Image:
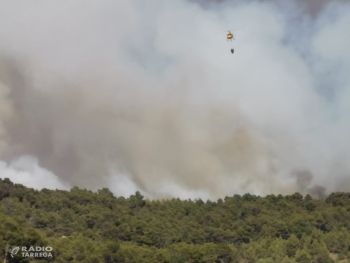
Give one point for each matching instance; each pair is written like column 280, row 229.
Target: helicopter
column 230, row 37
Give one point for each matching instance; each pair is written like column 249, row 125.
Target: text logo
column 32, row 252
column 14, row 250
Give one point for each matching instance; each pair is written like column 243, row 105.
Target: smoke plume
column 147, row 96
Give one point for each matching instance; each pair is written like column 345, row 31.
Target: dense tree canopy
column 83, row 226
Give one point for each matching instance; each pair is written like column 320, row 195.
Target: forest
column 85, row 226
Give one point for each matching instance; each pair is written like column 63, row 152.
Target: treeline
column 83, row 226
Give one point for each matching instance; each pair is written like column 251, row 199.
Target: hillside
column 83, row 226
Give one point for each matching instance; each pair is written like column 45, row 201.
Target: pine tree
column 303, row 256
column 292, row 245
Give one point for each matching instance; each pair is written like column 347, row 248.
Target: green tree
column 303, row 256
column 292, row 245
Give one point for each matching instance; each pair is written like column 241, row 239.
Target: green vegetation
column 83, row 226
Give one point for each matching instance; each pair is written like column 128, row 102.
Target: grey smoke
column 146, row 96
column 304, row 181
column 312, row 7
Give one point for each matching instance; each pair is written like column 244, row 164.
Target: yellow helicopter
column 230, row 36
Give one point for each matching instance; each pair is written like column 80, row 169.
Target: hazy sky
column 136, row 95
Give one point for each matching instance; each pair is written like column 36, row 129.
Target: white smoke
column 26, row 170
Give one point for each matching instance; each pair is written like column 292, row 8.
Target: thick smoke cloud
column 147, row 96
